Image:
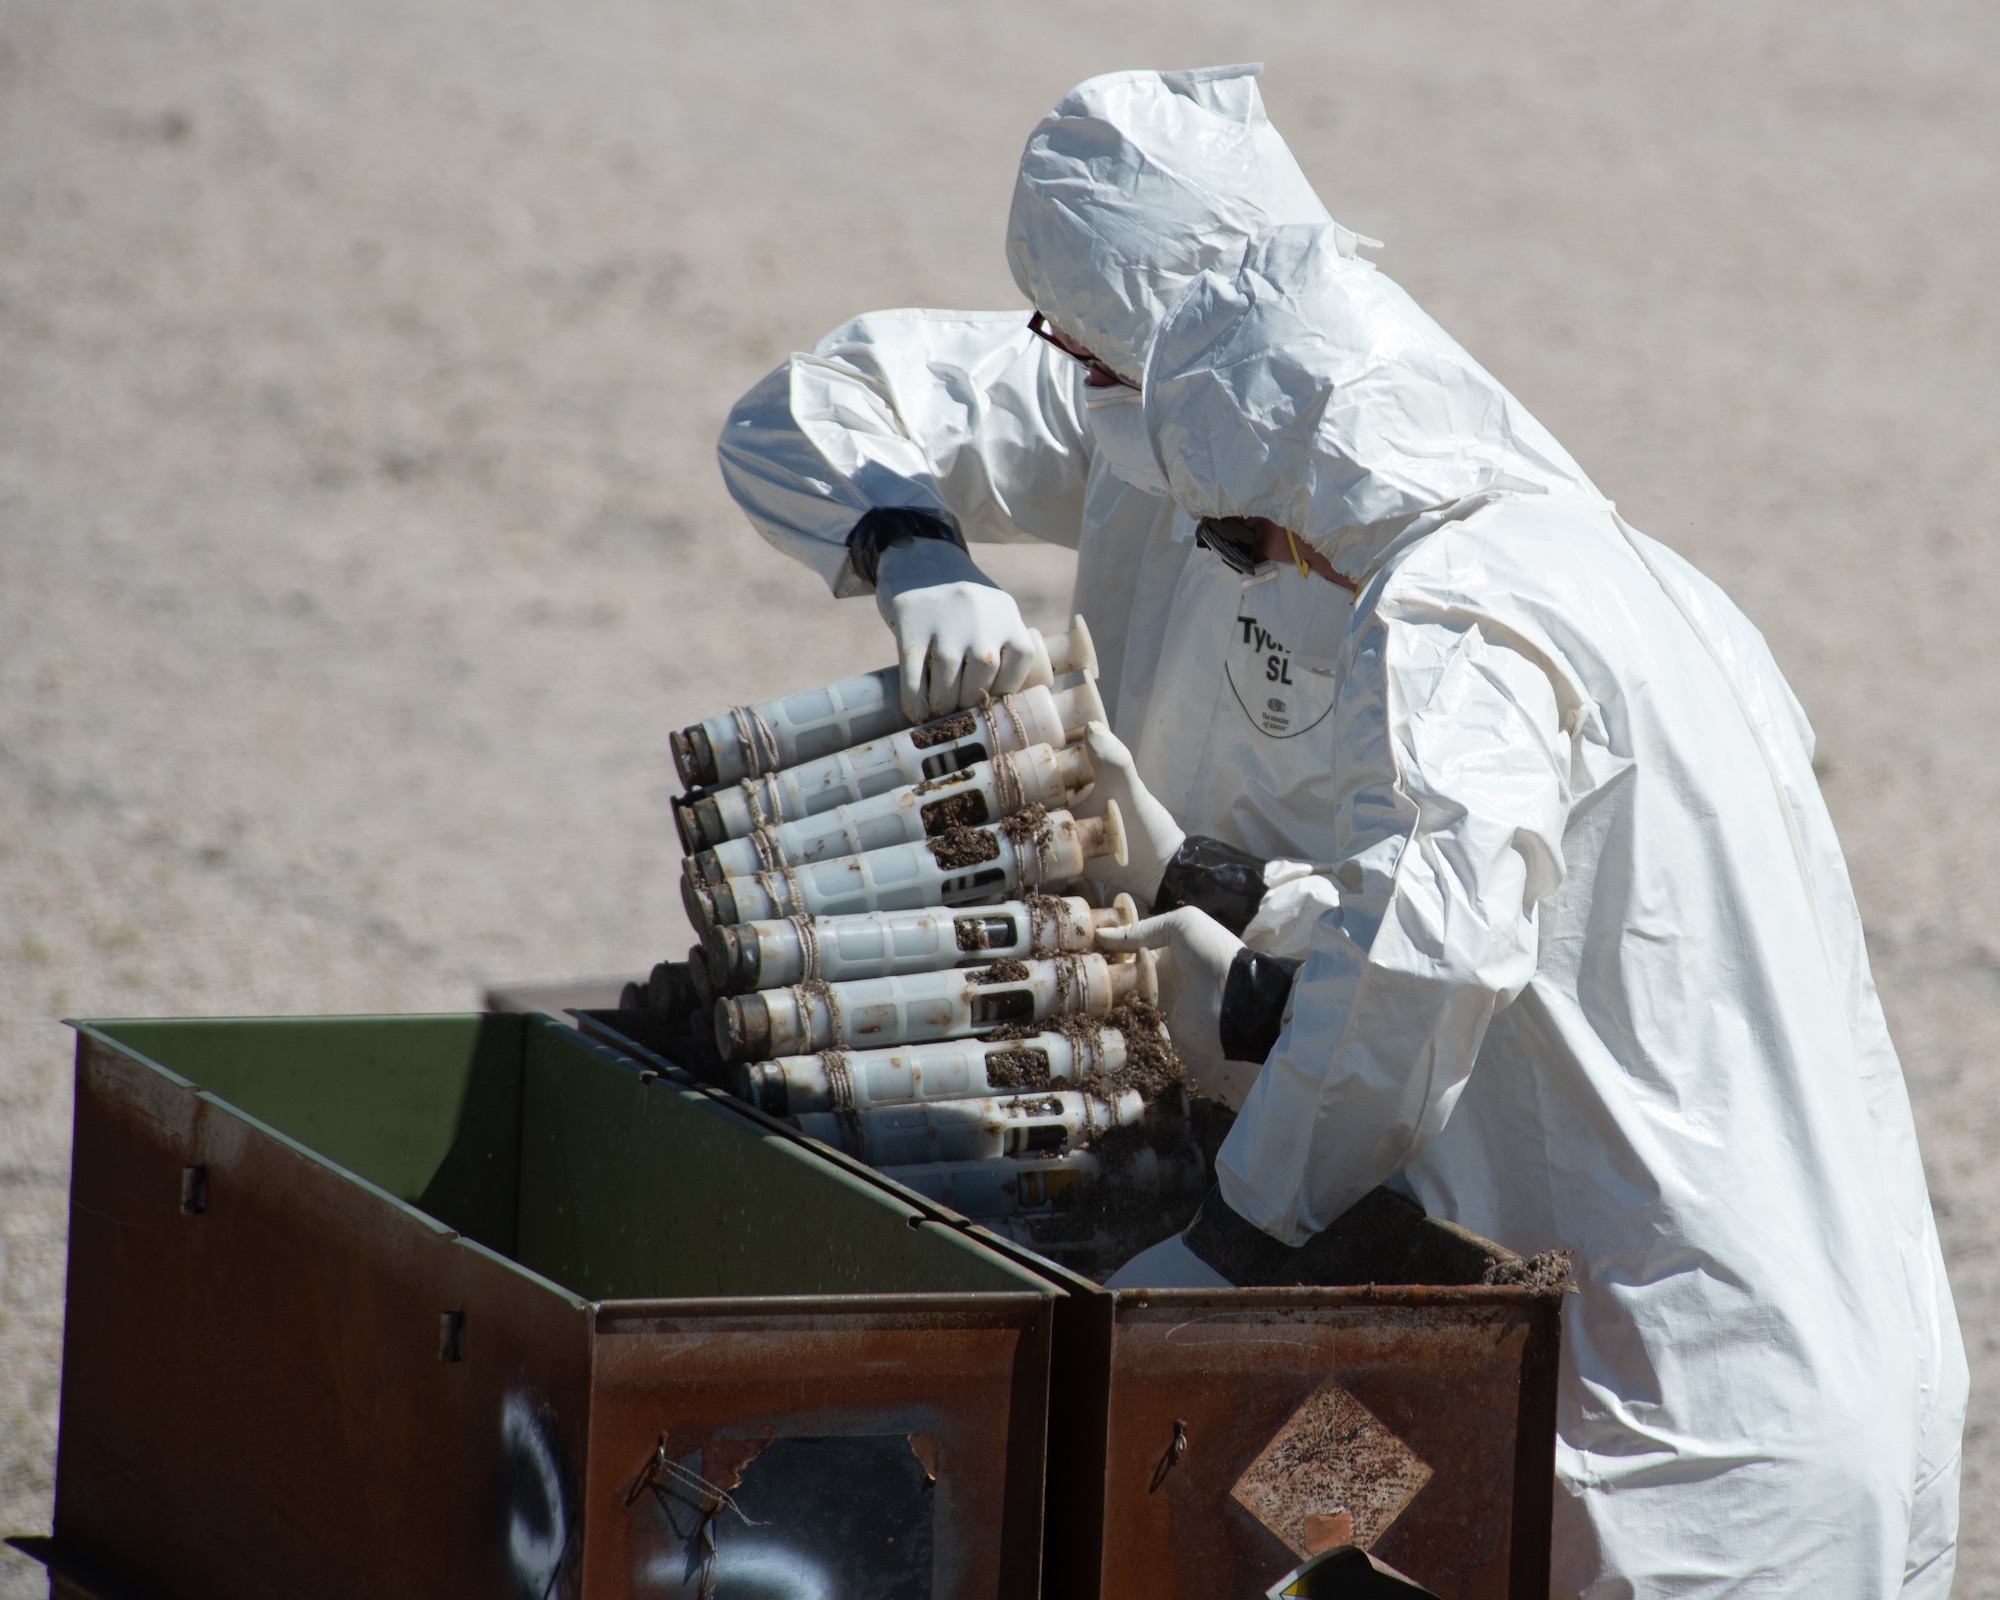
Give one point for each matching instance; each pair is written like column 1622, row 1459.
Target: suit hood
column 1299, row 383
column 1136, row 184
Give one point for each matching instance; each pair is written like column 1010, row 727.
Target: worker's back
column 1695, row 1090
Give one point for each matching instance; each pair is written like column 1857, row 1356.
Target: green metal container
column 471, row 1305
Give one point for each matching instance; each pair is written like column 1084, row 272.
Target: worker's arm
column 1455, row 798
column 1270, row 905
column 963, row 415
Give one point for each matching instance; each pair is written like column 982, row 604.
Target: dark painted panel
column 636, row 1188
column 693, row 1397
column 427, row 1108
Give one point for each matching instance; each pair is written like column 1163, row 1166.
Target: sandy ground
column 360, row 538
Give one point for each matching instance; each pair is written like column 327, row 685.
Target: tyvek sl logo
column 1283, row 693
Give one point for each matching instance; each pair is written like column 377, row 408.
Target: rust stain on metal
column 723, row 1460
column 1327, row 1532
column 1333, row 1456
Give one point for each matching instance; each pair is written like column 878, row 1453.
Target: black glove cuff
column 1228, row 1241
column 1211, row 876
column 1383, row 1237
column 1253, row 1003
column 883, row 526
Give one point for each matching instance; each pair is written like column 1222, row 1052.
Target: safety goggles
column 1236, row 542
column 1231, row 538
column 1101, row 376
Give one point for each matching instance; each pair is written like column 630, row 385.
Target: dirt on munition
column 1152, row 1065
column 1137, row 1212
column 1046, row 913
column 944, row 730
column 964, row 847
column 1029, row 826
column 964, row 810
column 1009, row 969
column 970, row 933
column 1018, row 1069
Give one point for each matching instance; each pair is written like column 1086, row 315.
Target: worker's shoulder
column 1551, row 574
column 1513, row 545
column 1564, row 571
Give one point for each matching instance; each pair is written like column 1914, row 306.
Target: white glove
column 957, row 635
column 1193, row 973
column 1151, row 834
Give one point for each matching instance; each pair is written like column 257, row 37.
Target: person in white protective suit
column 1596, row 977
column 902, row 435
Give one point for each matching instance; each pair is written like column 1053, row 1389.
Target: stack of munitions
column 888, row 957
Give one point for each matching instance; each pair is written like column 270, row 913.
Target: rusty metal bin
column 1207, row 1441
column 474, row 1306
column 1203, row 1442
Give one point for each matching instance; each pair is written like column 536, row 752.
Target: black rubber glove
column 1211, row 876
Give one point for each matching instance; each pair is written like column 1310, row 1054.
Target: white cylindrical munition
column 1014, row 1184
column 1041, row 775
column 1001, row 1188
column 946, row 1070
column 972, row 1130
column 748, row 741
column 873, row 1013
column 879, row 944
column 971, row 866
column 916, row 755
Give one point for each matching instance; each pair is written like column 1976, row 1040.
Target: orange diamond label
column 1332, row 1456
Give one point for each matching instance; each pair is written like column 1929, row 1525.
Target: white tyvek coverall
column 1597, row 977
column 1135, row 183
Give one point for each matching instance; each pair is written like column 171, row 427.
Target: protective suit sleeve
column 1456, row 799
column 964, row 415
column 1296, row 895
